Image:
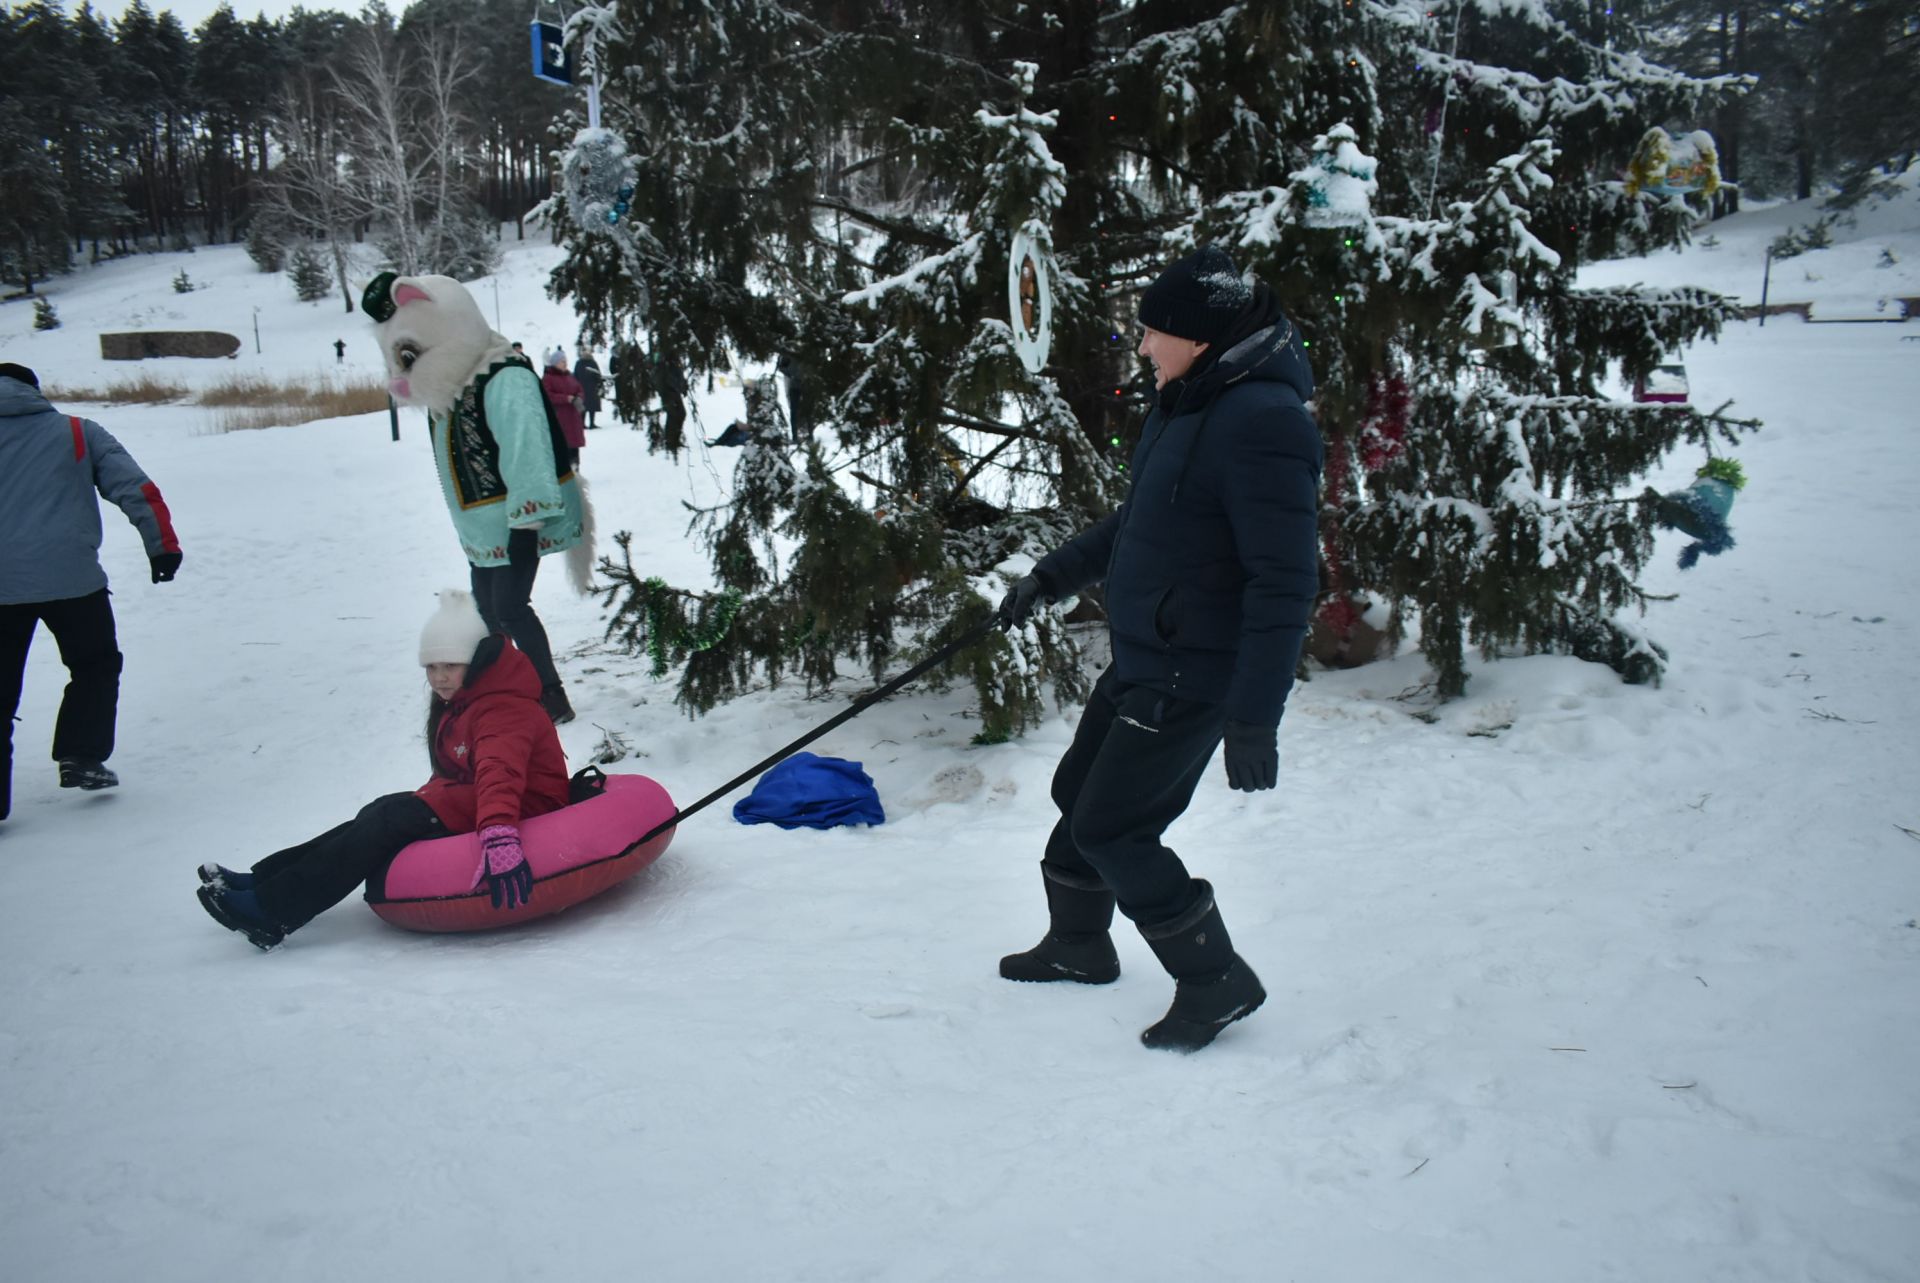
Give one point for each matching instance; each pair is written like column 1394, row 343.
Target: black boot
column 1077, row 946
column 1213, row 985
column 554, row 699
column 85, row 773
column 240, row 911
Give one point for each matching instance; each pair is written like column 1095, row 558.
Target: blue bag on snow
column 807, row 791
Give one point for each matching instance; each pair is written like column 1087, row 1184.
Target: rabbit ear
column 405, row 294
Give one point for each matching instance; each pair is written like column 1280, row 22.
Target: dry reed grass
column 147, row 389
column 243, row 401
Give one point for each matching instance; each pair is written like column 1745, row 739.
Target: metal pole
column 1766, row 279
column 393, row 417
column 496, row 302
column 256, row 331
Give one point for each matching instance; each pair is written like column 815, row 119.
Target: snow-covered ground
column 1569, row 979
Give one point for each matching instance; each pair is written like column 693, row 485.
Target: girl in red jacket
column 496, row 760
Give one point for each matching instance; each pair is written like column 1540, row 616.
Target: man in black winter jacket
column 1210, row 566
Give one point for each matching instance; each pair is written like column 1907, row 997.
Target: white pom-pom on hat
column 453, row 631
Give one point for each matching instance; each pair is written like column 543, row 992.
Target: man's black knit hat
column 8, row 370
column 1198, row 298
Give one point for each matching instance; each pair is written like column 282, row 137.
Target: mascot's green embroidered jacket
column 499, row 468
column 504, row 464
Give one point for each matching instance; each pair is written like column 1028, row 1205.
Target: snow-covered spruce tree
column 1480, row 471
column 308, row 272
column 833, row 187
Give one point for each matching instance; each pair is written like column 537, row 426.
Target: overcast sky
column 194, row 12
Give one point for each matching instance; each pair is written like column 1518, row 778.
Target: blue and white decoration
column 550, row 60
column 599, row 179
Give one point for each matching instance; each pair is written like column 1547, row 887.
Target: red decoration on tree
column 1381, row 439
column 1383, row 433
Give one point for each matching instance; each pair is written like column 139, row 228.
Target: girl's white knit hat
column 453, row 630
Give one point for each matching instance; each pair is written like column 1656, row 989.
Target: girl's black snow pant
column 295, row 885
column 1135, row 760
column 504, row 595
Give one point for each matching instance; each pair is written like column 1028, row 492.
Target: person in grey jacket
column 1211, row 569
column 50, row 466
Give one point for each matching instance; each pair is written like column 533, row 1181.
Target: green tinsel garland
column 1721, row 468
column 665, row 637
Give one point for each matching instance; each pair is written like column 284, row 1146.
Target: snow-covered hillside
column 1569, row 979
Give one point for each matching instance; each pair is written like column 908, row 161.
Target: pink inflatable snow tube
column 576, row 853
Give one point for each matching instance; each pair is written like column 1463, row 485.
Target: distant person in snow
column 51, row 465
column 568, row 400
column 496, row 760
column 506, row 468
column 339, row 351
column 1210, row 572
column 587, row 371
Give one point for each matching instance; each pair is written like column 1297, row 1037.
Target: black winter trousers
column 83, row 629
column 504, row 595
column 301, row 882
column 1135, row 760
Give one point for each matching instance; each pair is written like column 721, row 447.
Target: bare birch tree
column 399, row 98
column 313, row 191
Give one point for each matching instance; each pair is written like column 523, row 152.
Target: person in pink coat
column 568, row 399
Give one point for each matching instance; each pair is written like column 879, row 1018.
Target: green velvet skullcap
column 377, row 299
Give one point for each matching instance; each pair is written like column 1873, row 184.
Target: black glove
column 165, row 565
column 1017, row 607
column 1253, row 756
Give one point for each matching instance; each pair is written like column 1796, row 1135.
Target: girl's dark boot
column 1076, row 946
column 1213, row 985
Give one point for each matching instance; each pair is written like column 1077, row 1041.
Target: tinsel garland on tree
column 650, row 615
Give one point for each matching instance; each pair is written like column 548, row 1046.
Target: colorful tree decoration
column 1669, row 166
column 550, row 61
column 1664, row 385
column 1030, row 301
column 1339, row 180
column 1701, row 509
column 599, row 178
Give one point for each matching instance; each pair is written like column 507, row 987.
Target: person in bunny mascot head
column 505, row 468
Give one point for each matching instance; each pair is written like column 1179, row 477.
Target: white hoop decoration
column 1030, row 301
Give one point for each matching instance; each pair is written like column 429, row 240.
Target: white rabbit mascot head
column 433, row 336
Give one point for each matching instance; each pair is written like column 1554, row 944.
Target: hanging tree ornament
column 599, row 179
column 1701, row 509
column 1030, row 300
column 1669, row 166
column 1339, row 180
column 550, row 60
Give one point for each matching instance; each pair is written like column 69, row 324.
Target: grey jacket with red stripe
column 50, row 466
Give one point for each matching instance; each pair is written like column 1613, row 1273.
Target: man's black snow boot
column 1076, row 946
column 1213, row 985
column 239, row 911
column 84, row 773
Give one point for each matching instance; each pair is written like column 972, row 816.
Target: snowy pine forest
column 1587, row 899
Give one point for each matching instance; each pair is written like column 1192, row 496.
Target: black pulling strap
column 853, row 710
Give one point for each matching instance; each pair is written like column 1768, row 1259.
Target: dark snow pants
column 299, row 883
column 504, row 595
column 1136, row 758
column 83, row 629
